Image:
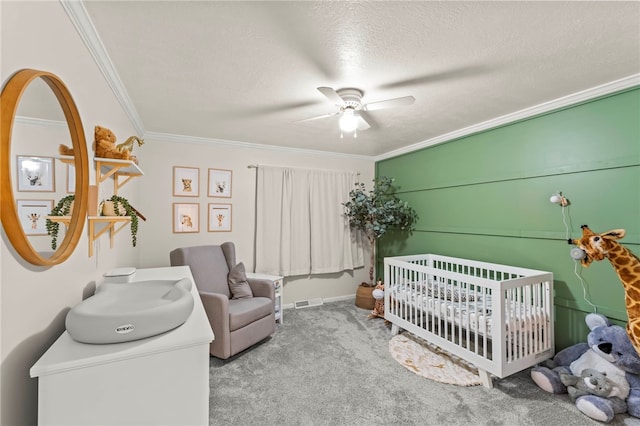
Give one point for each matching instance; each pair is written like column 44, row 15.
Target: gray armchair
column 237, row 323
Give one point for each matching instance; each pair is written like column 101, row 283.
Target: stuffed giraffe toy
column 626, row 265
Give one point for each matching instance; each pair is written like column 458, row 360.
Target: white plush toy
column 378, row 307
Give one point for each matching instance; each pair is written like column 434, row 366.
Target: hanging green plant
column 63, row 208
column 120, row 205
column 376, row 211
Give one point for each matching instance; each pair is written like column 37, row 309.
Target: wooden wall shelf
column 107, row 167
column 62, row 219
column 111, row 224
column 122, row 172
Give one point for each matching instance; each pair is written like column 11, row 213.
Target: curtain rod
column 256, row 166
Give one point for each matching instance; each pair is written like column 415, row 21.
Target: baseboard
column 339, row 298
column 324, row 300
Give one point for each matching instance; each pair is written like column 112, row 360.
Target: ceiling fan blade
column 435, row 77
column 268, row 109
column 390, row 103
column 331, row 114
column 332, row 95
column 292, row 30
column 366, row 121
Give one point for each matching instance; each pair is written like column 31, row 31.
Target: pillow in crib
column 454, row 295
column 238, row 285
column 457, row 295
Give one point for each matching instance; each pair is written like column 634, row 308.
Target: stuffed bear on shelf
column 105, row 145
column 65, row 150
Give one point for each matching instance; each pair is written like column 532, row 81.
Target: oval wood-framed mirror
column 10, row 99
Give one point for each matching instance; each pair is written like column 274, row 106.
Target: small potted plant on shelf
column 119, row 206
column 63, row 208
column 374, row 212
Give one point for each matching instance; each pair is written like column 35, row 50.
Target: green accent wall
column 486, row 197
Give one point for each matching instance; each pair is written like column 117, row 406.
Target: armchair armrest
column 262, row 288
column 217, row 308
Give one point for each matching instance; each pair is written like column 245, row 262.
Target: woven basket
column 364, row 297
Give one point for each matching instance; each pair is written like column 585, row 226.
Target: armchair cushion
column 247, row 310
column 238, row 284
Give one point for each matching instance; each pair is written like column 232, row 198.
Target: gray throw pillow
column 238, row 284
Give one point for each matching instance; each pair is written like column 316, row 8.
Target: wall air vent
column 307, row 303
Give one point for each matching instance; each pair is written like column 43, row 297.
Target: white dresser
column 160, row 380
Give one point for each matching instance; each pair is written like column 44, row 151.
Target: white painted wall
column 34, row 300
column 157, row 159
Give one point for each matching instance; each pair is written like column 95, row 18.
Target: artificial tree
column 376, row 211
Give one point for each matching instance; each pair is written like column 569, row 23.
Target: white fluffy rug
column 431, row 362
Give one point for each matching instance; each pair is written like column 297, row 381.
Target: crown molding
column 39, row 122
column 543, row 108
column 87, row 31
column 166, row 137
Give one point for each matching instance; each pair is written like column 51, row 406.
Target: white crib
column 454, row 304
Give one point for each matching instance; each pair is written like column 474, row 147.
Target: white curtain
column 300, row 223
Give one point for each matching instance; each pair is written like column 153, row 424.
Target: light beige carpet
column 431, row 362
column 329, row 365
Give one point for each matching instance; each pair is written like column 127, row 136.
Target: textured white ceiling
column 246, row 71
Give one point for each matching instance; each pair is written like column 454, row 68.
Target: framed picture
column 186, row 218
column 71, row 178
column 219, row 217
column 33, row 215
column 36, row 174
column 186, row 181
column 219, row 183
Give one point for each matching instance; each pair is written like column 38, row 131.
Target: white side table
column 278, row 284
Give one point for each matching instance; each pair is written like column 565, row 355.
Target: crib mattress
column 467, row 309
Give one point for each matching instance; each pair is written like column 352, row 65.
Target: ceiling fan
column 353, row 113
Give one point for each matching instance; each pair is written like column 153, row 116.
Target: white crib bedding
column 464, row 307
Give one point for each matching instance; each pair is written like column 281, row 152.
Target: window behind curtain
column 301, row 228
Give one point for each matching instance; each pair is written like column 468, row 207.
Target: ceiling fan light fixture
column 348, row 121
column 348, row 100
